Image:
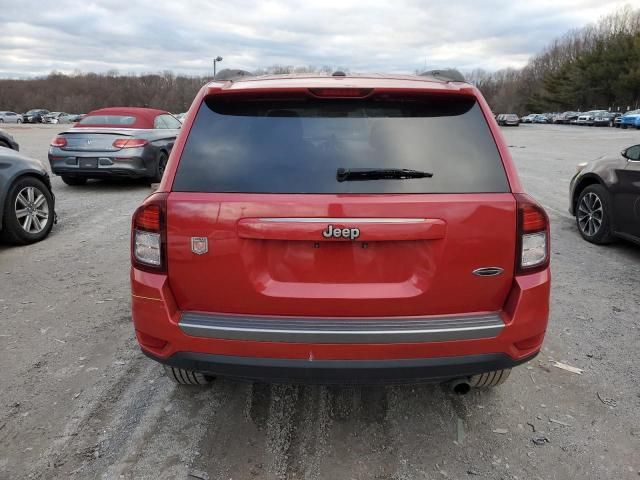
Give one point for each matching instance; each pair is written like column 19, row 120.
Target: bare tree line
column 593, row 67
column 597, row 66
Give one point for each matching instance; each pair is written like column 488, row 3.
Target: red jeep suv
column 340, row 229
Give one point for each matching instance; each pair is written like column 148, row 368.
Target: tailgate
column 272, row 256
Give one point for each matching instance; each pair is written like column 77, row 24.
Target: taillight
column 341, row 92
column 130, row 142
column 148, row 235
column 59, row 142
column 533, row 235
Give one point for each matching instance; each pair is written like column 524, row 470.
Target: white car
column 10, row 117
column 587, row 118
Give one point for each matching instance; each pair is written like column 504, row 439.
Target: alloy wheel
column 590, row 214
column 32, row 210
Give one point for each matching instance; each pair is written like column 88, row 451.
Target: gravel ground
column 79, row 401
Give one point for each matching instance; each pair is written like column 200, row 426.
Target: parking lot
column 79, row 400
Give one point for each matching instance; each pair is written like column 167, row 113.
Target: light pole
column 215, row 60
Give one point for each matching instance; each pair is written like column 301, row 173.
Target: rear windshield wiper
column 355, row 174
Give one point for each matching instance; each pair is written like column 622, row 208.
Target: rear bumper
column 365, row 372
column 134, row 164
column 236, row 346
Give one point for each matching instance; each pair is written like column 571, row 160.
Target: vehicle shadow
column 308, row 431
column 107, row 184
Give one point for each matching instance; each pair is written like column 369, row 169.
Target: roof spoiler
column 231, row 75
column 447, row 75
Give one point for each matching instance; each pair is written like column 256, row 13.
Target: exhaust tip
column 460, row 386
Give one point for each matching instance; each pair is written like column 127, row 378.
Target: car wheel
column 18, row 121
column 490, row 379
column 592, row 215
column 160, row 167
column 28, row 212
column 183, row 376
column 74, row 181
column 1, row 120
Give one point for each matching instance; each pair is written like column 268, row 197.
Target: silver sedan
column 10, row 117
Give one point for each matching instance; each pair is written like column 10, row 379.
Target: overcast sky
column 38, row 36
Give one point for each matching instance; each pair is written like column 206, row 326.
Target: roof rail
column 447, row 74
column 230, row 75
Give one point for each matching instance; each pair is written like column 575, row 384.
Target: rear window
column 116, row 120
column 297, row 146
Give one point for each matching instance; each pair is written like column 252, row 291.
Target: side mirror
column 632, row 153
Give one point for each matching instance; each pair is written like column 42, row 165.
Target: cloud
column 184, row 36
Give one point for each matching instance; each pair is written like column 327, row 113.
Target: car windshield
column 298, row 146
column 115, row 120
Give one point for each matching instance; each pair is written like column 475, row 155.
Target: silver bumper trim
column 342, row 330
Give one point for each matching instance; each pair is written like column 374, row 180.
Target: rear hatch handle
column 319, row 229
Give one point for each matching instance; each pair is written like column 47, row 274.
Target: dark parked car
column 26, row 201
column 508, row 119
column 605, row 198
column 604, row 119
column 115, row 142
column 35, row 116
column 7, row 141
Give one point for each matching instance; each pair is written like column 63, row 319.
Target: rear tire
column 593, row 216
column 74, row 181
column 160, row 167
column 490, row 379
column 183, row 376
column 18, row 121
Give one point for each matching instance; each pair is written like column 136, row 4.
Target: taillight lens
column 130, row 142
column 533, row 235
column 148, row 236
column 59, row 142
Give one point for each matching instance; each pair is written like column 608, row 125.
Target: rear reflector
column 59, row 142
column 341, row 92
column 532, row 234
column 130, row 142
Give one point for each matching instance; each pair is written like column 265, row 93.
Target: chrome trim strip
column 342, row 220
column 342, row 330
column 488, row 271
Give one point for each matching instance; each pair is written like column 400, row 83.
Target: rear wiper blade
column 356, row 174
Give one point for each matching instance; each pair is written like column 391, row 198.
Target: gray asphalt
column 79, row 401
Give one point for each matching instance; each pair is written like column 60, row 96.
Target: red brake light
column 59, row 142
column 533, row 218
column 130, row 142
column 148, row 218
column 341, row 92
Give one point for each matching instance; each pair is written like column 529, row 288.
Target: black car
column 605, row 198
column 115, row 142
column 35, row 116
column 7, row 141
column 26, row 200
column 605, row 119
